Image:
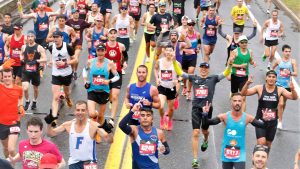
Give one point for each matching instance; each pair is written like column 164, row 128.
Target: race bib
column 240, row 17
column 177, row 10
column 123, row 31
column 77, row 35
column 201, row 92
column 30, row 68
column 164, row 25
column 43, row 26
column 274, row 33
column 90, row 166
column 98, row 79
column 166, row 75
column 14, row 129
column 108, row 10
column 283, row 73
column 210, row 32
column 147, row 148
column 232, row 152
column 16, row 53
column 136, row 115
column 241, row 72
column 1, row 56
column 62, row 66
column 269, row 115
column 135, row 10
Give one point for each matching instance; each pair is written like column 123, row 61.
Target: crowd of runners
column 55, row 40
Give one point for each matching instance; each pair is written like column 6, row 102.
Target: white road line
column 277, row 56
column 214, row 143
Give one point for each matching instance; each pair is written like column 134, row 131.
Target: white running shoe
column 279, row 125
column 123, row 72
column 147, row 59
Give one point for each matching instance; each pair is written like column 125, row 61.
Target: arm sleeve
column 125, row 54
column 70, row 50
column 167, row 148
column 258, row 123
column 227, row 70
column 213, row 121
column 221, row 32
column 123, row 123
column 253, row 33
column 50, row 48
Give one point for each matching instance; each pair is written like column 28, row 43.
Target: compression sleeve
column 213, row 121
column 221, row 32
column 258, row 123
column 227, row 71
column 177, row 68
column 123, row 123
column 253, row 33
column 167, row 148
column 125, row 55
column 115, row 78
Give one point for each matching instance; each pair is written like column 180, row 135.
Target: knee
column 196, row 133
column 114, row 98
column 205, row 131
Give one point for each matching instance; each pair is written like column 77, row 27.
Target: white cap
column 242, row 37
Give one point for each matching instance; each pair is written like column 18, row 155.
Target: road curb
column 289, row 13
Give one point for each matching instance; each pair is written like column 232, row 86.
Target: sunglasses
column 123, row 8
column 99, row 21
column 204, row 67
column 243, row 42
column 189, row 24
column 101, row 49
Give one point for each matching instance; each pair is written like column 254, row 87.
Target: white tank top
column 166, row 75
column 123, row 26
column 91, row 19
column 63, row 55
column 272, row 30
column 82, row 147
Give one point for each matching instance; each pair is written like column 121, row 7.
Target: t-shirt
column 32, row 154
column 78, row 26
column 9, row 104
column 238, row 14
column 160, row 21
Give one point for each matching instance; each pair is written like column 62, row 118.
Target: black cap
column 57, row 33
column 261, row 148
column 204, row 64
column 18, row 26
column 101, row 46
column 271, row 72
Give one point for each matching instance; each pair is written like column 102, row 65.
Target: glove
column 8, row 64
column 87, row 85
column 49, row 118
column 106, row 126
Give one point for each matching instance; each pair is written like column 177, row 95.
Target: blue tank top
column 97, row 75
column 138, row 93
column 2, row 53
column 144, row 149
column 105, row 4
column 41, row 26
column 65, row 36
column 283, row 78
column 210, row 29
column 95, row 41
column 233, row 145
column 177, row 53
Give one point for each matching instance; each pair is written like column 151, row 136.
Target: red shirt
column 114, row 54
column 15, row 49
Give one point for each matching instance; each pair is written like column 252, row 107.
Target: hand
column 222, row 21
column 231, row 59
column 136, row 107
column 103, row 37
column 254, row 23
column 8, row 64
column 87, row 85
column 250, row 79
column 129, row 105
column 161, row 148
column 254, row 64
column 125, row 65
column 157, row 82
column 243, row 66
column 296, row 166
column 206, row 108
column 21, row 111
column 146, row 102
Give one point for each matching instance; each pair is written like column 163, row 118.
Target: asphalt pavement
column 286, row 141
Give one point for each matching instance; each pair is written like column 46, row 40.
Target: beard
column 237, row 107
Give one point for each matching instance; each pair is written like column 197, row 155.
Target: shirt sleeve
column 70, row 50
column 50, row 48
column 56, row 152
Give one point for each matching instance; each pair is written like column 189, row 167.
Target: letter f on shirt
column 78, row 142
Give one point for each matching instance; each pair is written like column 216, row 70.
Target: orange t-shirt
column 9, row 104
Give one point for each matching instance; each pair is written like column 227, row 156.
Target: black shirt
column 160, row 20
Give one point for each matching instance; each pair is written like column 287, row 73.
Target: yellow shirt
column 238, row 13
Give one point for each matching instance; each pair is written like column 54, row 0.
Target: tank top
column 241, row 59
column 95, row 41
column 134, row 7
column 282, row 77
column 31, row 54
column 62, row 55
column 233, row 45
column 81, row 6
column 91, row 18
column 177, row 53
column 272, row 30
column 2, row 52
column 8, row 29
column 148, row 18
column 97, row 75
column 210, row 28
column 82, row 147
column 41, row 26
column 114, row 54
column 123, row 26
column 233, row 145
column 194, row 42
column 15, row 49
column 268, row 101
column 138, row 93
column 166, row 75
column 65, row 34
column 144, row 149
column 178, row 7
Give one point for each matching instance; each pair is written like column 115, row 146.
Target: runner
column 79, row 25
column 189, row 57
column 97, row 84
column 232, row 41
column 82, row 132
column 63, row 10
column 178, row 11
column 95, row 35
column 234, row 142
column 260, row 157
column 268, row 99
column 106, row 10
column 274, row 30
column 146, row 140
column 211, row 22
column 7, row 26
column 135, row 11
column 82, row 6
column 166, row 82
column 93, row 14
column 142, row 92
column 184, row 26
column 285, row 67
column 238, row 15
column 31, row 150
column 61, row 61
column 240, row 68
column 32, row 55
column 148, row 31
column 204, row 4
column 3, row 38
column 204, row 88
column 12, row 49
column 11, row 108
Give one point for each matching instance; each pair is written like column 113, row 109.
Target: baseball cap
column 62, row 2
column 162, row 4
column 173, row 31
column 191, row 22
column 48, row 161
column 31, row 32
column 75, row 10
column 18, row 26
column 271, row 72
column 57, row 33
column 261, row 148
column 101, row 46
column 204, row 64
column 243, row 38
column 184, row 17
column 111, row 29
column 237, row 30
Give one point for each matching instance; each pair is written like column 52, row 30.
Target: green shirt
column 239, row 60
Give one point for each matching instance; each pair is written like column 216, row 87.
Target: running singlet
column 114, row 54
column 41, row 26
column 269, row 102
column 81, row 6
column 233, row 146
column 210, row 29
column 8, row 29
column 138, row 93
column 177, row 53
column 95, row 41
column 205, row 3
column 239, row 60
column 166, row 75
column 2, row 52
column 60, row 55
column 66, row 37
column 144, row 149
column 31, row 54
column 239, row 14
column 272, row 30
column 123, row 26
column 82, row 147
column 97, row 76
column 232, row 46
column 283, row 78
column 9, row 104
column 194, row 43
column 178, row 7
column 15, row 49
column 148, row 17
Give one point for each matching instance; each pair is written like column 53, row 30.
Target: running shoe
column 147, row 59
column 170, row 124
column 33, row 106
column 204, row 145
column 69, row 102
column 279, row 125
column 162, row 124
column 195, row 163
column 263, row 58
column 189, row 95
column 268, row 11
column 183, row 93
column 123, row 72
column 27, row 103
column 269, row 66
column 54, row 123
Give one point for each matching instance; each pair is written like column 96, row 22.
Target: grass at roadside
column 294, row 5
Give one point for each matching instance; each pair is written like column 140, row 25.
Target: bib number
column 43, row 27
column 166, row 75
column 77, row 35
column 274, row 33
column 14, row 129
column 210, row 32
column 135, row 10
column 123, row 31
column 30, row 68
column 241, row 72
column 164, row 26
column 232, row 152
column 90, row 166
column 240, row 17
column 147, row 148
column 269, row 115
column 16, row 53
column 98, row 79
column 201, row 92
column 283, row 73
